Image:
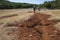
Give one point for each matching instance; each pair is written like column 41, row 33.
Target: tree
column 5, row 4
column 55, row 4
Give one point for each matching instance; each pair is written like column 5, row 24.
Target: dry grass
column 55, row 15
column 23, row 14
column 7, row 25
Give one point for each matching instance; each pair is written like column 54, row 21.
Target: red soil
column 38, row 27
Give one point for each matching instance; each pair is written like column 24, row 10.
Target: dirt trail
column 38, row 27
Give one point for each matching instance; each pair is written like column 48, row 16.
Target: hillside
column 27, row 25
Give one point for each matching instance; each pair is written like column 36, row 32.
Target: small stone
column 47, row 33
column 56, row 31
column 51, row 35
column 30, row 35
column 20, row 24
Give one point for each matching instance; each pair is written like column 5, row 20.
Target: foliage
column 51, row 4
column 5, row 4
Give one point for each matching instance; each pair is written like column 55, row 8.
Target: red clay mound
column 38, row 27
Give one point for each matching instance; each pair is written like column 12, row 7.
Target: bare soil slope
column 38, row 27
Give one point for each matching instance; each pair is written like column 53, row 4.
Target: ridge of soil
column 38, row 27
column 2, row 17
